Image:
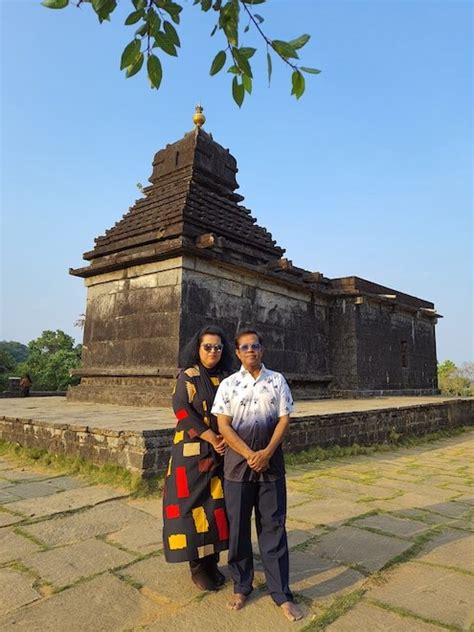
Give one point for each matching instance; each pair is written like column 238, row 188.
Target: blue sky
column 369, row 174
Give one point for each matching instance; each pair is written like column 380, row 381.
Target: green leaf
column 218, row 62
column 55, row 4
column 104, row 8
column 234, row 70
column 229, row 21
column 258, row 18
column 238, row 92
column 143, row 30
column 134, row 68
column 173, row 10
column 253, row 1
column 312, row 71
column 155, row 71
column 269, row 67
column 139, row 4
column 247, row 52
column 130, row 54
column 213, row 32
column 154, row 22
column 242, row 62
column 284, row 49
column 298, row 84
column 247, row 83
column 164, row 43
column 206, row 5
column 300, row 41
column 171, row 33
column 134, row 17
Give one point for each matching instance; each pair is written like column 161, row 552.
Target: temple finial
column 198, row 117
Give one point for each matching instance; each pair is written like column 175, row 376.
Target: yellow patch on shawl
column 178, row 541
column 178, row 436
column 216, row 488
column 193, row 371
column 200, row 520
column 215, row 380
column 191, row 390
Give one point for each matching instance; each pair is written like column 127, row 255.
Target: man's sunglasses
column 208, row 347
column 255, row 346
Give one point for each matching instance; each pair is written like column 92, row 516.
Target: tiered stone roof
column 191, row 204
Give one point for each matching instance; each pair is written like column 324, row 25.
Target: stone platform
column 139, row 438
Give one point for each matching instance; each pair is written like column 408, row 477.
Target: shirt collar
column 244, row 372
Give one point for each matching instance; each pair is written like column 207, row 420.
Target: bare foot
column 237, row 602
column 291, row 611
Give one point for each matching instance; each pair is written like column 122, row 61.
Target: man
column 253, row 409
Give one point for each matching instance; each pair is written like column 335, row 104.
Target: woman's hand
column 219, row 444
column 216, row 440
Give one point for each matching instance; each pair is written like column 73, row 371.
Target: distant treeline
column 47, row 360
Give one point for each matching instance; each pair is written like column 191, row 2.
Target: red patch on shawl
column 221, row 522
column 172, row 511
column 206, row 465
column 182, row 413
column 182, row 488
column 192, row 433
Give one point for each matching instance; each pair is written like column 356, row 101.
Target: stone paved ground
column 377, row 543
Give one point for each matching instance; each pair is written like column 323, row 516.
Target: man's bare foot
column 237, row 602
column 291, row 611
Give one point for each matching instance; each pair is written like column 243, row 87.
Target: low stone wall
column 146, row 452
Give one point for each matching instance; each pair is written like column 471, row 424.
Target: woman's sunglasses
column 209, row 347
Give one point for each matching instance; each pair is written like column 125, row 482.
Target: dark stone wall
column 395, row 350
column 133, row 321
column 295, row 327
column 377, row 347
column 343, row 345
column 147, row 452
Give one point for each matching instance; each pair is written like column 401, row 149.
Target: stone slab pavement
column 380, row 542
column 58, row 410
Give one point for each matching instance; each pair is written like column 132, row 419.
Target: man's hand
column 259, row 461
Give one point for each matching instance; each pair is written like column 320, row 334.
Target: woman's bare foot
column 237, row 602
column 291, row 611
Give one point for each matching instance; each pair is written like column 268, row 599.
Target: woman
column 195, row 523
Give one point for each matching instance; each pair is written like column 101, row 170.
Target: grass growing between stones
column 408, row 614
column 313, row 455
column 107, row 474
column 339, row 607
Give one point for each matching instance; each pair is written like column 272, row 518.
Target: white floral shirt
column 255, row 406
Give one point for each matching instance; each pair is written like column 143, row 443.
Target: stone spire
column 191, row 204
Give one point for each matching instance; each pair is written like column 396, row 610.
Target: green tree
column 7, row 367
column 452, row 381
column 51, row 358
column 17, row 350
column 155, row 24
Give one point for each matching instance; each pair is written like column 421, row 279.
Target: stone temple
column 189, row 253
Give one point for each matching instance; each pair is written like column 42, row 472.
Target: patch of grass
column 28, row 536
column 340, row 606
column 127, row 579
column 314, row 455
column 107, row 474
column 418, row 544
column 408, row 614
